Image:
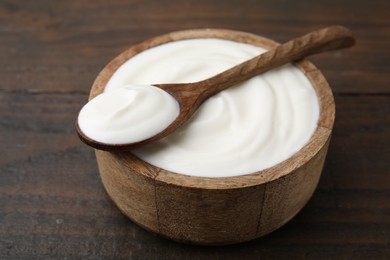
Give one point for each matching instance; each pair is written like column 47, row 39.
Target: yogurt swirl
column 244, row 129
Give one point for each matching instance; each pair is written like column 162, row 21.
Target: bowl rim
column 317, row 141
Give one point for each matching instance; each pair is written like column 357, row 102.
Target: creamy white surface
column 128, row 114
column 244, row 129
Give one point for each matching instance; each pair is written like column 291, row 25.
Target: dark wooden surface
column 52, row 202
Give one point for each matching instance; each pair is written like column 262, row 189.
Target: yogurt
column 128, row 114
column 244, row 129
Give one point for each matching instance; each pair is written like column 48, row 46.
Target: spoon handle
column 329, row 38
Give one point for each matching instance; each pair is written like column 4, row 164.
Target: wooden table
column 52, row 202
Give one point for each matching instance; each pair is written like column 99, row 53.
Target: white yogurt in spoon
column 128, row 114
column 244, row 129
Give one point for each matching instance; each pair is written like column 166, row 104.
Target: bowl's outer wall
column 203, row 216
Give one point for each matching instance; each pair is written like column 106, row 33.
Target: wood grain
column 52, row 203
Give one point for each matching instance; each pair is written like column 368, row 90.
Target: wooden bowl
column 214, row 211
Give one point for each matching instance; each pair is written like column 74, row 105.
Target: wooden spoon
column 191, row 95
